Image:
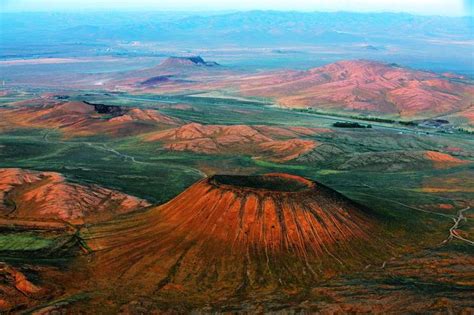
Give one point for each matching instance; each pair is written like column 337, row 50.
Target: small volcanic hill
column 279, row 144
column 365, row 87
column 84, row 119
column 174, row 74
column 235, row 235
column 26, row 194
column 187, row 61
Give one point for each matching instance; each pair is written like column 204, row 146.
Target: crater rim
column 273, row 182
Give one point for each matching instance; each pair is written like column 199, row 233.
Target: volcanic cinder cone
column 228, row 235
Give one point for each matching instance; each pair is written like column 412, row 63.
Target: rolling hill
column 76, row 118
column 278, row 144
column 364, row 87
column 26, row 194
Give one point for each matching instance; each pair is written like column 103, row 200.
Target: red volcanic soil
column 235, row 235
column 365, row 87
column 81, row 119
column 19, row 281
column 268, row 213
column 47, row 195
column 16, row 290
column 33, row 285
column 459, row 182
column 443, row 160
column 279, row 144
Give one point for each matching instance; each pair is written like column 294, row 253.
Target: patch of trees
column 408, row 123
column 107, row 109
column 466, row 131
column 341, row 124
column 365, row 118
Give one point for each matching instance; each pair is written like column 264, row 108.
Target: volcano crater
column 276, row 183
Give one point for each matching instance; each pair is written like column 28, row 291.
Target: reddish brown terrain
column 84, row 119
column 364, row 87
column 41, row 214
column 442, row 160
column 358, row 87
column 81, row 119
column 16, row 290
column 230, row 243
column 28, row 194
column 452, row 183
column 385, row 293
column 235, row 236
column 248, row 243
column 275, row 143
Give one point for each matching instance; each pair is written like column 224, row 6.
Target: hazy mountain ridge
column 289, row 37
column 251, row 24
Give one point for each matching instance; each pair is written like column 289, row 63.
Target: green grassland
column 23, row 241
column 30, row 245
column 406, row 213
column 149, row 171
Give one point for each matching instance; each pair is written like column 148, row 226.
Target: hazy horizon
column 455, row 8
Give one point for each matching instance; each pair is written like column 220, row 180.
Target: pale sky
column 423, row 7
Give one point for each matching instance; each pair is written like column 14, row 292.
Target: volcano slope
column 77, row 118
column 26, row 194
column 273, row 143
column 234, row 236
column 40, row 215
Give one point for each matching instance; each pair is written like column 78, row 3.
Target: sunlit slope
column 228, row 235
column 365, row 87
column 26, row 194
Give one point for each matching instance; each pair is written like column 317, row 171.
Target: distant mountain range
column 288, row 39
column 250, row 28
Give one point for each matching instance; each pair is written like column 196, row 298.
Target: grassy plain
column 409, row 212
